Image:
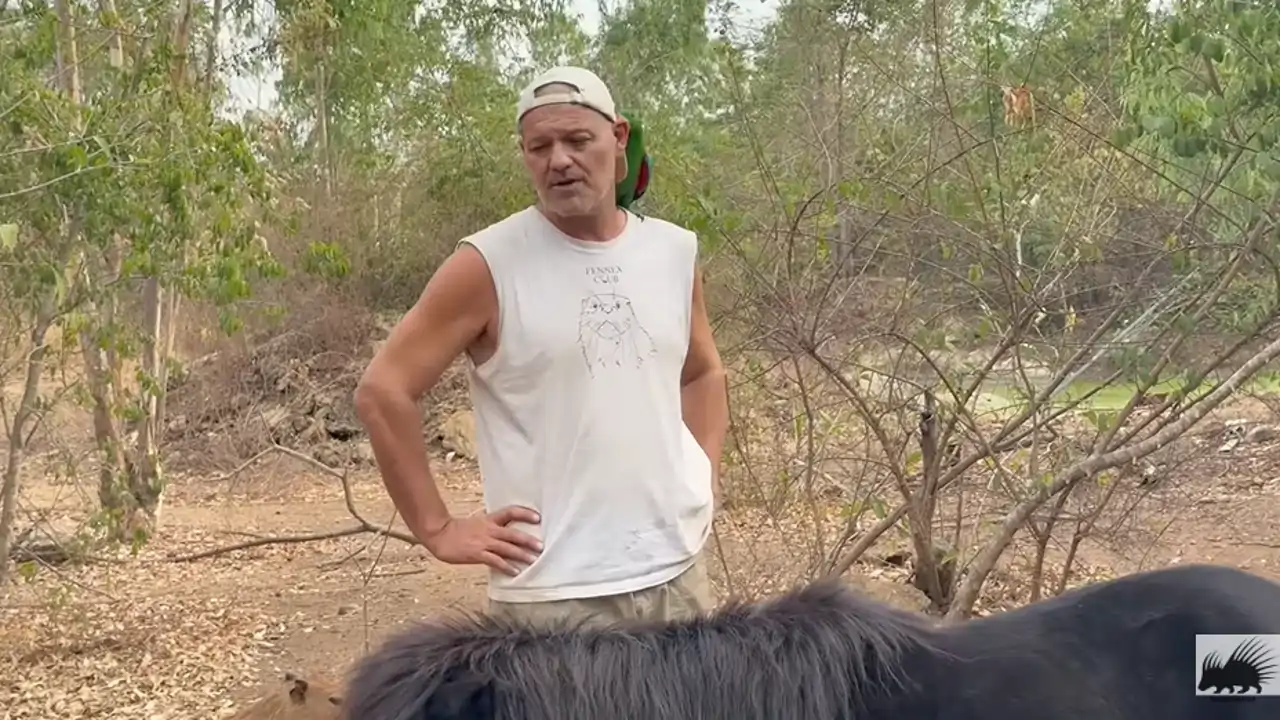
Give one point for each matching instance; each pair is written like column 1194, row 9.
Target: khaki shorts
column 687, row 595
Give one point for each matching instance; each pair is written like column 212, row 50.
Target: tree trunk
column 322, row 128
column 141, row 489
column 180, row 41
column 96, row 362
column 145, row 478
column 68, row 57
column 111, row 316
column 210, row 51
column 170, row 323
column 923, row 503
column 17, row 431
column 145, row 483
column 115, row 45
column 105, row 434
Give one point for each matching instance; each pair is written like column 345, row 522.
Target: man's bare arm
column 452, row 313
column 703, row 392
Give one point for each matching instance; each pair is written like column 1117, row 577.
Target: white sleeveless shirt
column 578, row 413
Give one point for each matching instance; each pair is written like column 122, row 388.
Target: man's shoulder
column 498, row 241
column 513, row 225
column 656, row 226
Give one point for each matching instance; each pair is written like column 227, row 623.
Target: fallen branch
column 47, row 552
column 399, row 573
column 361, row 526
column 292, row 540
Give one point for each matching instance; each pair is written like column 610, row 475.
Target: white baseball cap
column 589, row 91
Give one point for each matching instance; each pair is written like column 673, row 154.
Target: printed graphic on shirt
column 609, row 332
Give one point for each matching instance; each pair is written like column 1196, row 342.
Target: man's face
column 573, row 154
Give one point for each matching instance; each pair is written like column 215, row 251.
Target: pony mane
column 805, row 654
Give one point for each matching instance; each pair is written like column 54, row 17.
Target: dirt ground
column 151, row 636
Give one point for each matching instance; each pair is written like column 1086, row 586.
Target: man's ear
column 463, row 695
column 622, row 132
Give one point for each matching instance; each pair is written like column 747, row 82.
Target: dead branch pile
column 293, row 389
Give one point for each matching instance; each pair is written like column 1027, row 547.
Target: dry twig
column 362, row 525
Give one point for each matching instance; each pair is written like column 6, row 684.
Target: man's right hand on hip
column 485, row 539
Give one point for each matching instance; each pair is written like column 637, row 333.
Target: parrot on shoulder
column 633, row 186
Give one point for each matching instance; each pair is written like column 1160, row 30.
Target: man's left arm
column 704, row 394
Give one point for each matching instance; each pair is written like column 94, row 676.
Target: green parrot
column 633, row 186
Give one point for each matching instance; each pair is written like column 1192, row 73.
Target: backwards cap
column 588, row 90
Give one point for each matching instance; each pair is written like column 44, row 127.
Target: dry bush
column 955, row 409
column 298, row 382
column 293, row 386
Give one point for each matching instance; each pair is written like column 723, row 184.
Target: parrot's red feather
column 642, row 178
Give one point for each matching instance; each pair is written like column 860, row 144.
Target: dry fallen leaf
column 174, row 658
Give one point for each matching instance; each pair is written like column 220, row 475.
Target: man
column 599, row 396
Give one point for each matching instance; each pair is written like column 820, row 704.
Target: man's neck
column 597, row 227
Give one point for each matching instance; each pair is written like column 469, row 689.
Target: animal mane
column 805, row 654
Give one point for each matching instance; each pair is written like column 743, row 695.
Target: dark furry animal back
column 1118, row 650
column 805, row 655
